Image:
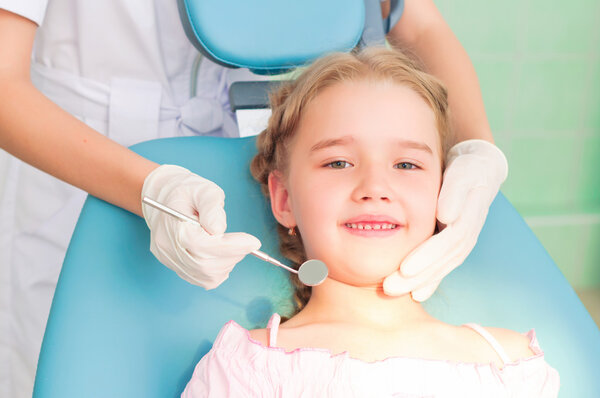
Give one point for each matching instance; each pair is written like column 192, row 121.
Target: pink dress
column 238, row 366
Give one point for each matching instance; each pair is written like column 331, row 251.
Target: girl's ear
column 280, row 200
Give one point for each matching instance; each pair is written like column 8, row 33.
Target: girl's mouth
column 371, row 226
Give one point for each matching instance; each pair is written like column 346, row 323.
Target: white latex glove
column 475, row 169
column 201, row 256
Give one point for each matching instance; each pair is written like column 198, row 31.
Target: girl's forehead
column 368, row 110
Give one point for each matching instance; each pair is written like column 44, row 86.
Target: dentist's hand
column 201, row 256
column 474, row 172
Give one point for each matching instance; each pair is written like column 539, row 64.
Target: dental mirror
column 310, row 272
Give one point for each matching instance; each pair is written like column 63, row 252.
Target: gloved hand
column 475, row 169
column 201, row 256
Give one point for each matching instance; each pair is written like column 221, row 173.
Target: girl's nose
column 372, row 185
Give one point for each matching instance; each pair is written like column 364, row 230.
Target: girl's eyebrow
column 415, row 145
column 345, row 140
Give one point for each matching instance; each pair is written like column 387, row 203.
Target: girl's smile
column 375, row 226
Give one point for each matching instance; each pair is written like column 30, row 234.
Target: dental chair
column 123, row 325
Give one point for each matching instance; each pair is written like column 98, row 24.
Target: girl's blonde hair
column 290, row 99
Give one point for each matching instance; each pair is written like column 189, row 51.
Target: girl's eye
column 405, row 166
column 338, row 164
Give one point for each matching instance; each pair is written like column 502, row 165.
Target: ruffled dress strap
column 491, row 340
column 273, row 328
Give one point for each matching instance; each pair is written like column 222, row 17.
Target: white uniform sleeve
column 30, row 9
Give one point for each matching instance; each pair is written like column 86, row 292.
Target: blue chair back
column 123, row 325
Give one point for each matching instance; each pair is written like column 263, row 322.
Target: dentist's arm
column 40, row 133
column 475, row 167
column 423, row 31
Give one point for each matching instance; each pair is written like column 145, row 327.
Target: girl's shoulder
column 477, row 344
column 260, row 335
column 517, row 345
column 268, row 336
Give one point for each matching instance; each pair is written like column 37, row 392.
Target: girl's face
column 363, row 179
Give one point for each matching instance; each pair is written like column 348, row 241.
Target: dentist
column 82, row 80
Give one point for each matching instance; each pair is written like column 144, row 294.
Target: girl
column 352, row 161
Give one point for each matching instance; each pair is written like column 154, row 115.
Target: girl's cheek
column 427, row 206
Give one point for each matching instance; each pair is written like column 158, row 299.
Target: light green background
column 539, row 68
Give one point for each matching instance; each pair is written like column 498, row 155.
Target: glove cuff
column 481, row 148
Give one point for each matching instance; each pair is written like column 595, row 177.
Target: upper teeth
column 371, row 226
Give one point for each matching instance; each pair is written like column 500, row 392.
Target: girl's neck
column 335, row 301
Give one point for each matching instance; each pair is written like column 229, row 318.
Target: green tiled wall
column 538, row 62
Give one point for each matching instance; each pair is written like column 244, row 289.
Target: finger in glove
column 199, row 244
column 424, row 293
column 208, row 273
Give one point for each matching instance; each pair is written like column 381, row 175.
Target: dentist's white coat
column 123, row 67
